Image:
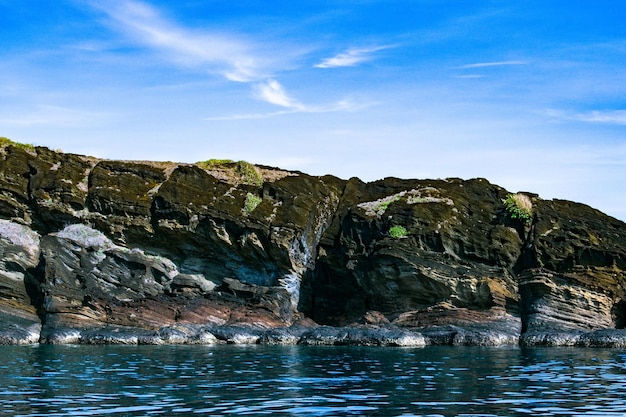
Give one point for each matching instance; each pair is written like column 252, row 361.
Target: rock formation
column 100, row 251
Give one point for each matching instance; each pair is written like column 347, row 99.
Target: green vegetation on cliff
column 519, row 206
column 247, row 172
column 252, row 201
column 4, row 142
column 398, row 232
column 215, row 163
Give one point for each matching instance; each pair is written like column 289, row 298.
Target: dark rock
column 112, row 335
column 459, row 326
column 362, row 336
column 607, row 338
column 238, row 335
column 19, row 284
column 15, row 172
column 61, row 336
column 283, row 335
column 456, row 251
column 96, row 251
column 374, row 318
column 17, row 329
column 563, row 302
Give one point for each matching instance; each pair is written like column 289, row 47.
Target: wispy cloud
column 612, row 117
column 274, row 93
column 351, row 57
column 492, row 64
column 344, row 105
column 616, row 117
column 220, row 53
column 227, row 54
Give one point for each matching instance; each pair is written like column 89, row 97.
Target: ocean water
column 310, row 381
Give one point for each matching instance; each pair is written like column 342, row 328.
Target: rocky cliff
column 100, row 251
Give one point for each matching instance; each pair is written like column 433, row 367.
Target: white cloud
column 617, row 117
column 222, row 54
column 271, row 91
column 227, row 54
column 274, row 93
column 492, row 64
column 343, row 105
column 350, row 58
column 612, row 117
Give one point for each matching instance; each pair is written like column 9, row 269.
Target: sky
column 530, row 95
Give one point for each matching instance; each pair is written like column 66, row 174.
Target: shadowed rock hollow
column 99, row 251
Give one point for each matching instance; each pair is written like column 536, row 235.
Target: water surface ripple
column 310, row 381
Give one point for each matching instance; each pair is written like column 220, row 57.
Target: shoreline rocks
column 325, row 336
column 319, row 336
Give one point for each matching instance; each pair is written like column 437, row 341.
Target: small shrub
column 519, row 207
column 251, row 203
column 397, row 232
column 249, row 174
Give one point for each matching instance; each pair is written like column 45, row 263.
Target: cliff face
column 96, row 250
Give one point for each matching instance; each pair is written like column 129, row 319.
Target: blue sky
column 530, row 95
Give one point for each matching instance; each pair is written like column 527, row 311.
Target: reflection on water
column 310, row 381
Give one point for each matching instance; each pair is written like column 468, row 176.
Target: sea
column 256, row 380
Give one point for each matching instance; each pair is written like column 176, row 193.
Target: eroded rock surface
column 98, row 251
column 19, row 286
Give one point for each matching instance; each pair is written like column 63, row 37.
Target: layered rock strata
column 99, row 251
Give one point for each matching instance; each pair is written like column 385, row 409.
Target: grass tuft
column 251, row 203
column 397, row 232
column 519, row 207
column 4, row 142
